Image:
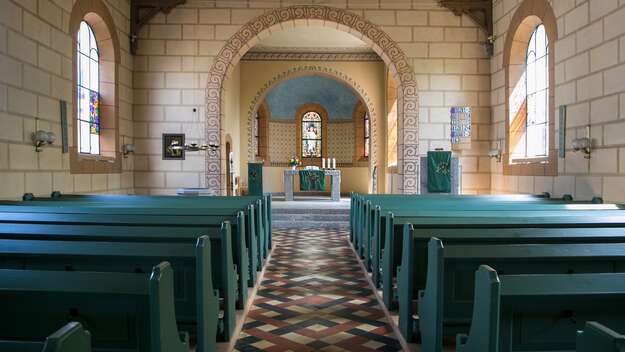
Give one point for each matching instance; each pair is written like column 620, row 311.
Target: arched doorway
column 279, row 19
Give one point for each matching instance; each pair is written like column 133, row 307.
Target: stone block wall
column 590, row 82
column 176, row 51
column 35, row 74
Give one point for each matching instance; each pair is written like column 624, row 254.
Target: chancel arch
column 280, row 19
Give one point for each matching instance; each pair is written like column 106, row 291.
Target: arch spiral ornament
column 306, row 15
column 306, row 70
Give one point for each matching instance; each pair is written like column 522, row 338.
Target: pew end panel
column 485, row 321
column 72, row 337
column 599, row 338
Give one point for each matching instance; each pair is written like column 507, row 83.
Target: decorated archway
column 306, row 15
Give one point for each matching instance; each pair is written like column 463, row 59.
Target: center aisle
column 315, row 297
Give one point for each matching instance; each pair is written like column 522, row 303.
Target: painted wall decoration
column 173, row 154
column 460, row 124
column 338, row 99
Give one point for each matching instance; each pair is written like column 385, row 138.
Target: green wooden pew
column 71, row 337
column 364, row 219
column 223, row 272
column 473, row 226
column 145, row 225
column 540, row 312
column 362, row 205
column 239, row 203
column 122, row 311
column 599, row 338
column 375, row 234
column 444, row 306
column 197, row 306
column 253, row 207
column 368, row 230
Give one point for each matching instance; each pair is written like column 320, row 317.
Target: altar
column 289, row 184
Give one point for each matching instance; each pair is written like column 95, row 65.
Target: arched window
column 311, row 135
column 88, row 90
column 96, row 128
column 536, row 97
column 367, row 135
column 528, row 61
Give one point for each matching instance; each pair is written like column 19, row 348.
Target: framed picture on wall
column 168, row 152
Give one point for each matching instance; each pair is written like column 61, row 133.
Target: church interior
column 312, row 175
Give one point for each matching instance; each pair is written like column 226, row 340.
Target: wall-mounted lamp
column 583, row 144
column 489, row 46
column 193, row 147
column 41, row 138
column 495, row 153
column 128, row 148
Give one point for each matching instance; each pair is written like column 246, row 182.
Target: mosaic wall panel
column 281, row 141
column 341, row 141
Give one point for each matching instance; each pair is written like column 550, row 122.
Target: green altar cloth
column 312, row 180
column 439, row 172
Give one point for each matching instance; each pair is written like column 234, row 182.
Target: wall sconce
column 489, row 46
column 495, row 153
column 41, row 138
column 128, row 148
column 193, row 147
column 583, row 144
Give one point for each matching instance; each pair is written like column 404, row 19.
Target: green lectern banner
column 312, row 180
column 439, row 172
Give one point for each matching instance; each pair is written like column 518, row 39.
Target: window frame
column 89, row 88
column 96, row 14
column 528, row 16
column 527, row 158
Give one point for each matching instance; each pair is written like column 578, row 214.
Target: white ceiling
column 312, row 39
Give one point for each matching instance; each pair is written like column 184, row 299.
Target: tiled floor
column 315, row 297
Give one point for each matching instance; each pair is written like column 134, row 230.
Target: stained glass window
column 367, row 134
column 311, row 135
column 537, row 95
column 88, row 90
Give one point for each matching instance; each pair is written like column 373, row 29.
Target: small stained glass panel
column 311, row 135
column 311, row 148
column 88, row 88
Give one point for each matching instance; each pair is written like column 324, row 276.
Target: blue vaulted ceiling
column 284, row 99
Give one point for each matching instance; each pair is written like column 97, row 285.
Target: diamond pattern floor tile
column 315, row 297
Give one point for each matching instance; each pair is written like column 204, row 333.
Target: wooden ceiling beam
column 480, row 11
column 141, row 11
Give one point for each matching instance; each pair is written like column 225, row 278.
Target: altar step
column 310, row 214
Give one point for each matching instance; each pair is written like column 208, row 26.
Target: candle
column 329, row 164
column 333, row 163
column 323, row 163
